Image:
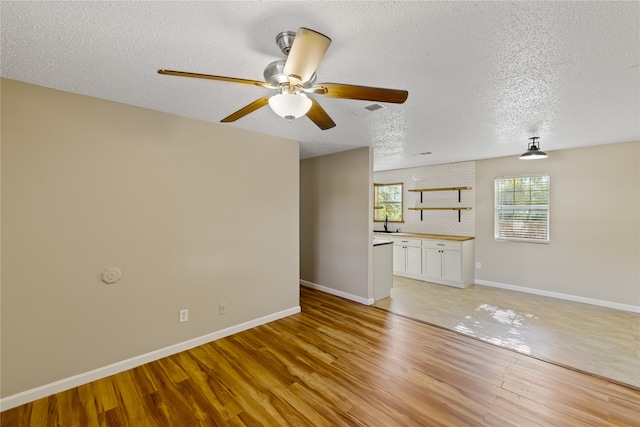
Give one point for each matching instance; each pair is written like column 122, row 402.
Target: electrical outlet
column 478, row 265
column 222, row 308
column 184, row 315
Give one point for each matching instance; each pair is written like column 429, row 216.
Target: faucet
column 386, row 223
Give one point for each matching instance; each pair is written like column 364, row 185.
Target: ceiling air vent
column 367, row 109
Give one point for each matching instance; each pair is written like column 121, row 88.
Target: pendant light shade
column 533, row 152
column 290, row 106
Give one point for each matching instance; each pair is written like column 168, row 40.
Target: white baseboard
column 356, row 298
column 574, row 298
column 96, row 374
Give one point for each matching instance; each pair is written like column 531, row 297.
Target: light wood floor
column 339, row 363
column 598, row 340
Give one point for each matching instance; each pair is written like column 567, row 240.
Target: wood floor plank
column 104, row 394
column 339, row 363
column 129, row 398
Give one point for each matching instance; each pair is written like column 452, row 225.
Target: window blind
column 522, row 208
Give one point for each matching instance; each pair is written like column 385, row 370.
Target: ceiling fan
column 295, row 76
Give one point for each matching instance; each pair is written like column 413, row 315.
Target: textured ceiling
column 482, row 76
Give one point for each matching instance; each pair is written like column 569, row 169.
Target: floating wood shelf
column 420, row 190
column 458, row 189
column 440, row 209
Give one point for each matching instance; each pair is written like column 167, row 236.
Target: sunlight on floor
column 476, row 327
column 594, row 339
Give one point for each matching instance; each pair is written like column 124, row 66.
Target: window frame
column 376, row 205
column 498, row 209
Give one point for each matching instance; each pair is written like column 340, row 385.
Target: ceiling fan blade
column 255, row 105
column 306, row 52
column 365, row 93
column 212, row 77
column 319, row 116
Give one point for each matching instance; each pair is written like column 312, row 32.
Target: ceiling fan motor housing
column 285, row 40
column 275, row 76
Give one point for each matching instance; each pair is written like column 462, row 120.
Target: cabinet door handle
column 440, row 244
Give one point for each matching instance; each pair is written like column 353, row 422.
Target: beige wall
column 193, row 213
column 594, row 225
column 335, row 222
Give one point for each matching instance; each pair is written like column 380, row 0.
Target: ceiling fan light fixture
column 290, row 106
column 296, row 74
column 533, row 151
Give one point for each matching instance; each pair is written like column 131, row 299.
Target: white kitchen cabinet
column 407, row 257
column 452, row 265
column 432, row 262
column 447, row 262
column 443, row 261
column 399, row 259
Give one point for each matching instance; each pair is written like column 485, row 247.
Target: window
column 387, row 202
column 522, row 208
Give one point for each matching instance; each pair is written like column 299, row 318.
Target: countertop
column 378, row 242
column 427, row 236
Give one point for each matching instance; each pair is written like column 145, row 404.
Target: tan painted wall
column 594, row 225
column 335, row 221
column 193, row 213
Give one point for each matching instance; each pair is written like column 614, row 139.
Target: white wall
column 193, row 213
column 594, row 253
column 336, row 205
column 438, row 176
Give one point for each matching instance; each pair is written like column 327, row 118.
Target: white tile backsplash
column 461, row 174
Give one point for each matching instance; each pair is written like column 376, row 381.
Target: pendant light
column 533, row 152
